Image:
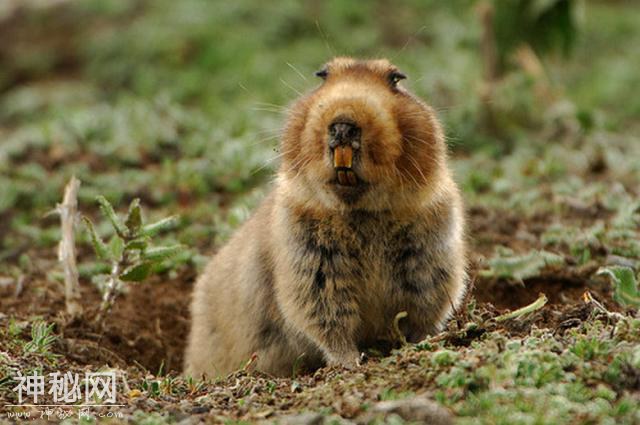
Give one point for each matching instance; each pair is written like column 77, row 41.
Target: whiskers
column 300, row 165
column 270, row 107
column 270, row 137
column 298, row 92
column 297, row 71
column 270, row 161
column 325, row 38
column 410, row 39
column 417, row 167
column 409, row 138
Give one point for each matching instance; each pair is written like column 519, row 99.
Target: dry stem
column 67, row 247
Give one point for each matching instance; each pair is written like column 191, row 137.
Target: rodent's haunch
column 364, row 222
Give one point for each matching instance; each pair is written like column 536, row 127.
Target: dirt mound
column 147, row 327
column 149, row 324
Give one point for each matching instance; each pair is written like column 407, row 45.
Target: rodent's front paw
column 348, row 361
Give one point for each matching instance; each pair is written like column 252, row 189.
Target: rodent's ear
column 322, row 73
column 395, row 77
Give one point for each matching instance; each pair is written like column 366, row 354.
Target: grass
column 179, row 104
column 42, row 338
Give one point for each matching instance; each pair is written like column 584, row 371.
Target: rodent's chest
column 370, row 264
column 358, row 248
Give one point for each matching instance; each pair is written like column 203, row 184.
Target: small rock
column 310, row 419
column 617, row 260
column 301, row 419
column 188, row 421
column 200, row 409
column 415, row 409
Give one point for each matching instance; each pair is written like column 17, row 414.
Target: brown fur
column 321, row 269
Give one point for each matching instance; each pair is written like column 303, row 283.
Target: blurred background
column 180, row 103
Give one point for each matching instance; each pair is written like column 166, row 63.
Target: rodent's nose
column 343, row 133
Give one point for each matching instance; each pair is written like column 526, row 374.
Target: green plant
column 625, row 283
column 130, row 253
column 388, row 394
column 507, row 265
column 42, row 339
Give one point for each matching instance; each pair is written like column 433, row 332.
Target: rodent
column 364, row 222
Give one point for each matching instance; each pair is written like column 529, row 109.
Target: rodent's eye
column 396, row 76
column 323, row 73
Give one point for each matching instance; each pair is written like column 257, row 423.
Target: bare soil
column 149, row 324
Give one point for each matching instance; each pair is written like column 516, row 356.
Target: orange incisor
column 343, row 158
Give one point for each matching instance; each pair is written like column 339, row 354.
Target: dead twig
column 597, row 305
column 67, row 247
column 396, row 327
column 19, row 285
column 536, row 305
column 109, row 296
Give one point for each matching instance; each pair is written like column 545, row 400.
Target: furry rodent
column 364, row 222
